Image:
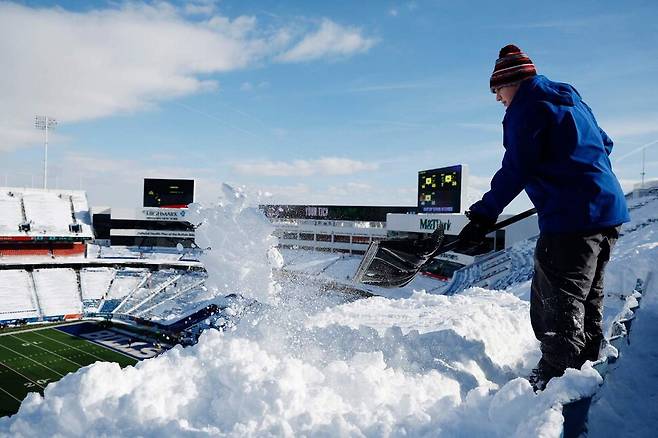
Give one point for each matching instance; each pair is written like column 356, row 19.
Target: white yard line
column 6, row 392
column 51, row 352
column 67, row 345
column 30, row 359
column 23, row 376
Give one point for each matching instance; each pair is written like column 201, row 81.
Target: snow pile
column 242, row 249
column 334, row 381
column 492, row 318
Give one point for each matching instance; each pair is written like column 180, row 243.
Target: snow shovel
column 393, row 263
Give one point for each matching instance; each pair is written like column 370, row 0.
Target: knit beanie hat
column 512, row 66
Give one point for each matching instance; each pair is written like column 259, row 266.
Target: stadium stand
column 171, row 295
column 16, row 300
column 41, row 222
column 47, row 212
column 94, row 285
column 58, row 292
column 125, row 281
column 155, row 283
column 498, row 270
column 10, row 212
column 95, row 282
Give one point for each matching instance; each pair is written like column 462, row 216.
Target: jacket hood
column 541, row 88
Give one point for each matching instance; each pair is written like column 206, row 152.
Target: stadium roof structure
column 44, row 214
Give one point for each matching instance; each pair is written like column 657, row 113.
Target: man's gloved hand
column 475, row 231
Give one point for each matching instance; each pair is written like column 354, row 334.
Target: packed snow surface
column 308, row 364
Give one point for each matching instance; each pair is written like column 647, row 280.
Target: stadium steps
column 79, row 284
column 23, row 214
column 33, row 292
column 73, row 218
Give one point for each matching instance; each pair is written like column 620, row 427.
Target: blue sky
column 314, row 102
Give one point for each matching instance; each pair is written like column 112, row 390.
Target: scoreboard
column 168, row 193
column 440, row 190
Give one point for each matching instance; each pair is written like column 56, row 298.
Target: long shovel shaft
column 502, row 224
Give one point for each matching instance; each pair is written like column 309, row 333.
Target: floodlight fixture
column 45, row 123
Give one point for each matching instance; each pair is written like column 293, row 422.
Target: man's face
column 506, row 93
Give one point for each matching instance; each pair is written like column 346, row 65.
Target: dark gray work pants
column 566, row 302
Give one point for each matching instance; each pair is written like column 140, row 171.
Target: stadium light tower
column 45, row 123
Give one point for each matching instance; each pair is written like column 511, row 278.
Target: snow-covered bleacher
column 498, row 270
column 10, row 212
column 48, row 211
column 16, row 300
column 174, row 295
column 125, row 281
column 183, row 299
column 155, row 283
column 134, row 292
column 95, row 282
column 57, row 291
column 94, row 285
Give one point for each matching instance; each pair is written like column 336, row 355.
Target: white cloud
column 636, row 126
column 201, row 7
column 83, row 65
column 331, row 39
column 320, row 167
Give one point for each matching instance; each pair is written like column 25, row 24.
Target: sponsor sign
column 313, row 211
column 153, row 233
column 426, row 223
column 433, row 224
column 162, row 214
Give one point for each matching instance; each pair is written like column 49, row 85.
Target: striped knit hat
column 512, row 66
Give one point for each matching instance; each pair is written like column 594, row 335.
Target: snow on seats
column 16, row 295
column 95, row 282
column 58, row 292
column 10, row 211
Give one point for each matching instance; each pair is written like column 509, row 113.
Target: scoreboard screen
column 168, row 193
column 440, row 190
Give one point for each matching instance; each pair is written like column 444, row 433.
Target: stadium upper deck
column 39, row 213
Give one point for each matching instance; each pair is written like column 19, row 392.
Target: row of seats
column 58, row 292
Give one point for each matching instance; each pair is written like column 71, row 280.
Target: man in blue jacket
column 555, row 150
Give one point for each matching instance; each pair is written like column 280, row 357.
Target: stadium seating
column 95, row 282
column 10, row 212
column 16, row 301
column 47, row 212
column 57, row 291
column 125, row 281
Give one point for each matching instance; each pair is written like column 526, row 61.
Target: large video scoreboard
column 168, row 193
column 441, row 190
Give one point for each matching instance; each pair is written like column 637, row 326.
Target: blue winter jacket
column 555, row 150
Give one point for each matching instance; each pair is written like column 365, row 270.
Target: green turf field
column 31, row 359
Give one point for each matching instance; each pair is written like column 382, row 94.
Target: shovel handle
column 495, row 227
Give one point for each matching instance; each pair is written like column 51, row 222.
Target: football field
column 32, row 358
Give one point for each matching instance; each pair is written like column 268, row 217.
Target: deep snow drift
column 315, row 365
